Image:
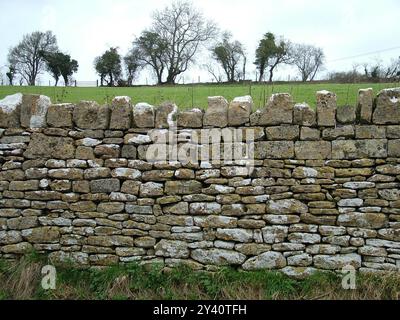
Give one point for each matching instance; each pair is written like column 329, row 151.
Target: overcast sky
column 86, row 28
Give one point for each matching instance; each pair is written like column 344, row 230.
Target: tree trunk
column 111, row 84
column 271, row 75
column 170, row 79
column 261, row 75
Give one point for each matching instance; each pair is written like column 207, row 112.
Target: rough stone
column 172, row 249
column 283, row 133
column 10, row 111
column 182, row 187
column 358, row 149
column 166, row 116
column 90, row 115
column 303, row 115
column 42, row 235
column 220, row 257
column 337, row 262
column 60, row 115
column 267, row 260
column 105, row 185
column 273, row 150
column 121, row 113
column 346, row 114
column 287, row 206
column 387, row 110
column 34, row 110
column 313, row 150
column 363, row 220
column 190, row 119
column 279, row 110
column 216, row 114
column 42, row 146
column 365, row 105
column 239, row 111
column 144, row 115
column 326, row 109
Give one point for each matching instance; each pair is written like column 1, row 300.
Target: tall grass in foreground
column 22, row 280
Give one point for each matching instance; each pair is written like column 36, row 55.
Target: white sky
column 86, row 28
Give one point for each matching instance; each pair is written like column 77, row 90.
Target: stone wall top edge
column 37, row 111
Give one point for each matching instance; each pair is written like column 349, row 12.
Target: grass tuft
column 22, row 280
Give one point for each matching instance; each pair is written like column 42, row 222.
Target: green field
column 187, row 97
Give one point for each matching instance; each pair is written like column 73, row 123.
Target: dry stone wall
column 76, row 181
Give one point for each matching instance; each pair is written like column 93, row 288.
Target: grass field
column 187, row 97
column 22, row 280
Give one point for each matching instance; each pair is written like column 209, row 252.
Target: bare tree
column 183, row 29
column 27, row 57
column 392, row 71
column 308, row 60
column 229, row 54
column 213, row 70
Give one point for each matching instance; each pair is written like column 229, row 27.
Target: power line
column 364, row 54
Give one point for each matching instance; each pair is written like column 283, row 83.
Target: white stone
column 124, row 99
column 298, row 273
column 126, row 173
column 310, row 172
column 267, row 260
column 274, row 234
column 10, row 103
column 88, row 142
column 359, row 185
column 300, row 260
column 170, row 118
column 337, row 262
column 238, row 235
column 220, row 257
column 350, row 202
column 172, row 248
column 139, row 139
column 38, row 118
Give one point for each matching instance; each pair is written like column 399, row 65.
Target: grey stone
column 90, row 115
column 42, row 146
column 279, row 110
column 121, row 113
column 326, row 108
column 239, row 111
column 267, row 260
column 216, row 114
column 364, row 105
column 10, row 111
column 104, row 185
column 387, row 110
column 34, row 110
column 220, row 257
column 144, row 115
column 303, row 115
column 60, row 115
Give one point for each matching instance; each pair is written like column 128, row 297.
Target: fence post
column 97, row 82
column 75, row 83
